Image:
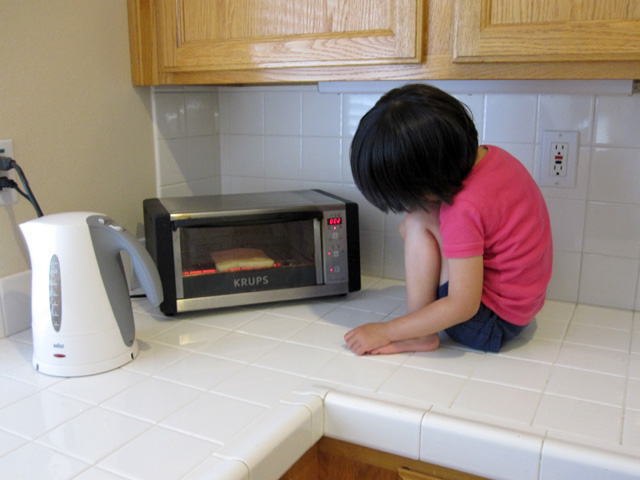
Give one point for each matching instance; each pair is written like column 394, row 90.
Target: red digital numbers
column 335, row 221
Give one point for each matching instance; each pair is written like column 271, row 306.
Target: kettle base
column 60, row 369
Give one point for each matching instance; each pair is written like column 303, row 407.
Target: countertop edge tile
column 479, row 448
column 563, row 459
column 271, row 445
column 315, row 405
column 389, row 427
column 221, row 469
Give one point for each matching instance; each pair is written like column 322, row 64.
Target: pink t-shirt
column 500, row 214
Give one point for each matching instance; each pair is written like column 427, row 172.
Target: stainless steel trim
column 226, row 213
column 319, row 250
column 177, row 216
column 177, row 263
column 249, row 298
column 212, row 206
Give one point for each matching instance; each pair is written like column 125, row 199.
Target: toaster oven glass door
column 239, row 255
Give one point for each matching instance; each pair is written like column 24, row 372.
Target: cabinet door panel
column 547, row 30
column 247, row 34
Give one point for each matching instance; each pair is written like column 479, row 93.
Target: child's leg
column 425, row 271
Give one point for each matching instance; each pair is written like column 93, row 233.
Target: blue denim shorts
column 484, row 331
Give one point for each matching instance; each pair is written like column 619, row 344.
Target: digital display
column 334, row 221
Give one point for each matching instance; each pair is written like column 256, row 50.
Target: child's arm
column 463, row 301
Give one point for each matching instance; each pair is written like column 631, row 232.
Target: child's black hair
column 417, row 141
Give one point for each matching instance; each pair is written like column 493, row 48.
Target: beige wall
column 80, row 131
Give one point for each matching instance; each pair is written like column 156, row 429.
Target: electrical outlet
column 559, row 159
column 559, row 153
column 8, row 196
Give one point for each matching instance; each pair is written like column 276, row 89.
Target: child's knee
column 420, row 222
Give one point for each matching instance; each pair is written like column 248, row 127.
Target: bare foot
column 421, row 344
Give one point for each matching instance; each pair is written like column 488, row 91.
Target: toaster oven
column 226, row 250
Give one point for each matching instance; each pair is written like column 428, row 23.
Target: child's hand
column 366, row 338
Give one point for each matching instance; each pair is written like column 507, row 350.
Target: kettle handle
column 115, row 238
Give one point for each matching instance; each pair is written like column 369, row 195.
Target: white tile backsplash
column 169, row 114
column 565, row 280
column 612, row 229
column 288, row 137
column 608, row 280
column 283, row 113
column 187, row 130
column 283, row 157
column 15, row 303
column 245, row 112
column 567, row 223
column 247, row 154
column 321, row 114
column 321, row 159
column 616, row 121
column 566, row 112
column 201, row 111
column 510, row 118
column 614, row 175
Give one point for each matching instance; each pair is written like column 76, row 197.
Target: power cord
column 6, row 182
column 7, row 163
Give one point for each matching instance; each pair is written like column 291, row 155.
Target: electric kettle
column 81, row 315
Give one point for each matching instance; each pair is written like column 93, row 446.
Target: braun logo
column 250, row 281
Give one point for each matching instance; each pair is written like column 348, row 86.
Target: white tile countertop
column 242, row 393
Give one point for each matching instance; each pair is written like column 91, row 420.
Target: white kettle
column 81, row 315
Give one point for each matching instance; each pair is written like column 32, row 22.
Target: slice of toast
column 239, row 258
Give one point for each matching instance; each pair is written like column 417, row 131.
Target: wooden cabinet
column 547, row 30
column 332, row 459
column 186, row 42
column 225, row 35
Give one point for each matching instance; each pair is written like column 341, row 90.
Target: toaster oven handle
column 317, row 241
column 235, row 220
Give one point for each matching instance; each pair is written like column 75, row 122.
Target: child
column 476, row 234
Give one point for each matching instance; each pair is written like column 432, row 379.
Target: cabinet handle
column 405, row 473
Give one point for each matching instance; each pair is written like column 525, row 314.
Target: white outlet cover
column 550, row 137
column 8, row 196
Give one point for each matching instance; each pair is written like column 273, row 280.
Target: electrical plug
column 6, row 163
column 6, row 182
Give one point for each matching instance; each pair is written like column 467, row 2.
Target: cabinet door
column 547, row 30
column 196, row 35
